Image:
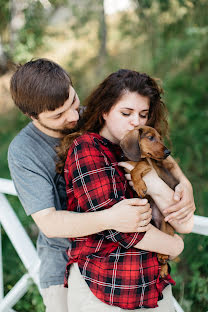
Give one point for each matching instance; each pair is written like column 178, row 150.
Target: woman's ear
column 130, row 145
column 105, row 115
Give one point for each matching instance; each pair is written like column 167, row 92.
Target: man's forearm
column 128, row 215
column 162, row 195
column 69, row 224
column 176, row 170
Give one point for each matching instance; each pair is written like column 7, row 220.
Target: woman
column 120, row 269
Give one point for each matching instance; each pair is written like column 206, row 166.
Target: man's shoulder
column 21, row 141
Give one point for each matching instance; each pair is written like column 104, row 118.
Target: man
column 43, row 91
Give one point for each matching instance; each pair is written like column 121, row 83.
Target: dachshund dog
column 144, row 148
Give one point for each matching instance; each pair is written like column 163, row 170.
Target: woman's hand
column 184, row 208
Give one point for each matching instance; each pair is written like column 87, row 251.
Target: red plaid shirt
column 116, row 272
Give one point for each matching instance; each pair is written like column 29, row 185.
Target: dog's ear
column 130, row 145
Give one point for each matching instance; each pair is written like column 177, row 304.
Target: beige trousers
column 55, row 298
column 81, row 299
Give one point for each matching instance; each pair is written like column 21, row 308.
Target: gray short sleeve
column 34, row 190
column 32, row 166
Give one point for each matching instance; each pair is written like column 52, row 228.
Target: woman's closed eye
column 143, row 116
column 125, row 114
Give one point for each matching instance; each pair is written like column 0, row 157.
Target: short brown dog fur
column 142, row 146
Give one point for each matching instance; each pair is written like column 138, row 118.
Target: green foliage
column 30, row 37
column 167, row 39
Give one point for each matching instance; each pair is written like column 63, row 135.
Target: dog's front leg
column 141, row 168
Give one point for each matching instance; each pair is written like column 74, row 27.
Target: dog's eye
column 151, row 138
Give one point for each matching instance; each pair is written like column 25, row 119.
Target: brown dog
column 143, row 147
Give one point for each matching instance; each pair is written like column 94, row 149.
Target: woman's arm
column 156, row 241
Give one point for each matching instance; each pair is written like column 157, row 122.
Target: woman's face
column 129, row 112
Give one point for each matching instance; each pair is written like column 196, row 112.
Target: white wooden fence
column 27, row 252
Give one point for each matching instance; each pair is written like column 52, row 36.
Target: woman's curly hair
column 107, row 94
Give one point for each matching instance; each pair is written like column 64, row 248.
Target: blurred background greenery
column 91, row 38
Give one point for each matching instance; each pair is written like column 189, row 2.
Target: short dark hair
column 38, row 86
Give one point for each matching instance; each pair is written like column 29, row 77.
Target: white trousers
column 81, row 299
column 55, row 298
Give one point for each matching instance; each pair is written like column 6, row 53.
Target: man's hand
column 130, row 215
column 184, row 208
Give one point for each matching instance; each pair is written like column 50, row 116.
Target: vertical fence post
column 1, row 270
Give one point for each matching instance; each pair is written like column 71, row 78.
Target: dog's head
column 143, row 142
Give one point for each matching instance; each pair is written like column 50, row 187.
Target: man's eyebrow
column 75, row 94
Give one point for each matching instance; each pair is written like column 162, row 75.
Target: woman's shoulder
column 84, row 139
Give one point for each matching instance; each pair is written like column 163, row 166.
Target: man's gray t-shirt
column 31, row 158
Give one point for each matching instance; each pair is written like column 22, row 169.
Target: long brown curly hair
column 106, row 95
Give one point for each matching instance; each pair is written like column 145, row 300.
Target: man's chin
column 67, row 131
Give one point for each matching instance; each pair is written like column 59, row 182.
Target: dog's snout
column 167, row 152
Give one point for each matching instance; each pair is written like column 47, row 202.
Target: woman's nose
column 135, row 121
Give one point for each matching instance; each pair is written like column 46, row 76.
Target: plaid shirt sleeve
column 96, row 185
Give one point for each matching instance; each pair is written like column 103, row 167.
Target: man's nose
column 72, row 115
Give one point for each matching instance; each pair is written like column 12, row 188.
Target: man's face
column 61, row 120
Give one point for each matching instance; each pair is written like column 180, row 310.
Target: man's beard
column 63, row 131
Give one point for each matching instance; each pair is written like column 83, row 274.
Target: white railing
column 27, row 253
column 24, row 248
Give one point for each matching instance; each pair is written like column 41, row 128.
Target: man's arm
column 167, row 200
column 129, row 215
column 162, row 195
column 184, row 206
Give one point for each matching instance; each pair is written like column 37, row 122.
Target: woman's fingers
column 128, row 176
column 126, row 165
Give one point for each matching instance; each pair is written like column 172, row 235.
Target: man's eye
column 57, row 116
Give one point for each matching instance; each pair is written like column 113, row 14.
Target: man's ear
column 29, row 116
column 130, row 145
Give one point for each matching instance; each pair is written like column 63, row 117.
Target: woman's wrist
column 177, row 246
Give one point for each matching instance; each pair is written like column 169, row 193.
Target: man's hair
column 39, row 85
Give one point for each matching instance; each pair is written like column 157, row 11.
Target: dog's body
column 144, row 148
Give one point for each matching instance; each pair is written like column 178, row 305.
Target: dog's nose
column 167, row 152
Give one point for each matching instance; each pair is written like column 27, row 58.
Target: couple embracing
column 96, row 236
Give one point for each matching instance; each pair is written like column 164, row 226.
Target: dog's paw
column 163, row 259
column 141, row 189
column 164, row 270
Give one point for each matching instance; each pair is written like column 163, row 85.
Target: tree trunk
column 102, row 53
column 3, row 59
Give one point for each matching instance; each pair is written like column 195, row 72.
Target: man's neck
column 51, row 133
